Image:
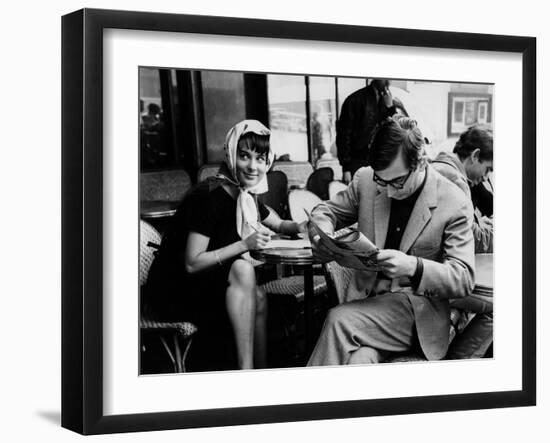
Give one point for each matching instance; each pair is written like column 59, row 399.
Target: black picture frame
column 82, row 218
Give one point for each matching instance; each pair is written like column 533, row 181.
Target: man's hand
column 320, row 251
column 395, row 263
column 486, row 221
column 388, row 98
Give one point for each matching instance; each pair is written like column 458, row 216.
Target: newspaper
column 351, row 248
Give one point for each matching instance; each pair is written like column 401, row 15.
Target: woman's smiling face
column 251, row 167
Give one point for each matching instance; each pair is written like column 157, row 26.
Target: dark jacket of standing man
column 361, row 112
column 422, row 224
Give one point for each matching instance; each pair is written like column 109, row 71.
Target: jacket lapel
column 421, row 212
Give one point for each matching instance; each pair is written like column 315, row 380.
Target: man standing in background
column 360, row 114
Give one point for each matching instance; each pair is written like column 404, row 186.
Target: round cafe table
column 484, row 271
column 301, row 257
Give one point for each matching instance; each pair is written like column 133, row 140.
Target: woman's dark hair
column 475, row 137
column 392, row 134
column 254, row 142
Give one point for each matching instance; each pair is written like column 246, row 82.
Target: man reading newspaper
column 422, row 225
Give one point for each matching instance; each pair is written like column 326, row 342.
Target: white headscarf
column 247, row 211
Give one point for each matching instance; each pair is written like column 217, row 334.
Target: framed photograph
column 467, row 109
column 155, row 106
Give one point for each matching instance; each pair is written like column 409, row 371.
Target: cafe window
column 322, row 104
column 224, row 105
column 287, row 116
column 156, row 146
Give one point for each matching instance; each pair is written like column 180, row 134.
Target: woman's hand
column 257, row 240
column 302, row 227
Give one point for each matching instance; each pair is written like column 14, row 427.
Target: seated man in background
column 467, row 166
column 422, row 224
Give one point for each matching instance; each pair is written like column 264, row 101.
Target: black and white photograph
column 277, row 221
column 293, row 220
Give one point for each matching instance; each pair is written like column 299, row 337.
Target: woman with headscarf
column 203, row 273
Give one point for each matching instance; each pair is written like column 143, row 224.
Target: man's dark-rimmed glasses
column 396, row 183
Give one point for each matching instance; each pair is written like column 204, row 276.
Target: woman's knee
column 242, row 273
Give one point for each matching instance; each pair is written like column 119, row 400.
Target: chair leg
column 178, row 357
column 187, row 346
column 169, row 352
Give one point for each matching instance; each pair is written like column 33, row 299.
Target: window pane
column 470, row 118
column 287, row 116
column 322, row 91
column 459, row 111
column 224, row 105
column 346, row 86
column 155, row 143
column 483, row 112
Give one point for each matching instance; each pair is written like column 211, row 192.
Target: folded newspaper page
column 352, row 249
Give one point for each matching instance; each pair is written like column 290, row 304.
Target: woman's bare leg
column 240, row 299
column 260, row 331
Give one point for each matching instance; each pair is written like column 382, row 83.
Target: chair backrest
column 300, row 199
column 338, row 279
column 333, row 164
column 208, row 170
column 318, row 182
column 297, row 173
column 277, row 196
column 168, row 186
column 334, row 187
column 148, row 239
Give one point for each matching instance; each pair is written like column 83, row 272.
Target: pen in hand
column 259, row 239
column 256, row 229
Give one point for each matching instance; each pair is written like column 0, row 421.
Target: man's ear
column 475, row 154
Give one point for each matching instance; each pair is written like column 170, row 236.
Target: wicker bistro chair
column 338, row 279
column 289, row 290
column 334, row 187
column 277, row 195
column 295, row 285
column 160, row 195
column 318, row 182
column 287, row 318
column 297, row 172
column 332, row 163
column 300, row 201
column 175, row 337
